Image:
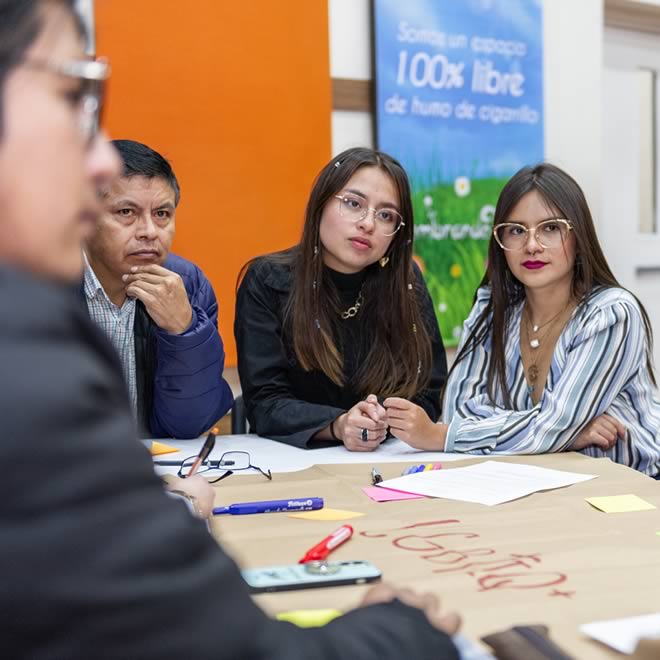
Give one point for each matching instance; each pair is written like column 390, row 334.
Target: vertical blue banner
column 459, row 101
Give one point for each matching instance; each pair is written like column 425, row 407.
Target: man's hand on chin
column 163, row 294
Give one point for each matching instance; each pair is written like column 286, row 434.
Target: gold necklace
column 536, row 342
column 533, row 370
column 352, row 311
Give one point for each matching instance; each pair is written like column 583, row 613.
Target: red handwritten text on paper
column 438, row 542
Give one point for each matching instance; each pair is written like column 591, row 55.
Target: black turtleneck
column 351, row 339
column 286, row 403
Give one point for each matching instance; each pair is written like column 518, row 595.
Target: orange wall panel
column 238, row 96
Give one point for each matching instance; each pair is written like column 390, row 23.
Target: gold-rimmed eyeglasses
column 92, row 75
column 388, row 221
column 548, row 234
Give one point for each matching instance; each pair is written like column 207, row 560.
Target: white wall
column 627, row 248
column 573, row 65
column 350, row 57
column 573, row 36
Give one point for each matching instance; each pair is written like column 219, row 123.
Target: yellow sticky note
column 309, row 618
column 158, row 448
column 620, row 503
column 327, row 514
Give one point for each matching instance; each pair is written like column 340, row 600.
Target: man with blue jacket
column 158, row 310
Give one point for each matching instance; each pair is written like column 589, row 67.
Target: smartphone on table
column 310, row 575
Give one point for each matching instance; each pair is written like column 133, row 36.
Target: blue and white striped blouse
column 599, row 366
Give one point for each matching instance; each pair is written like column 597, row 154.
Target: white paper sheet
column 623, row 635
column 278, row 457
column 487, row 483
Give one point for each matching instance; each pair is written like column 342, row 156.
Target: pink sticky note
column 388, row 495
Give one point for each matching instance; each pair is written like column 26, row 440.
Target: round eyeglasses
column 229, row 462
column 548, row 234
column 388, row 221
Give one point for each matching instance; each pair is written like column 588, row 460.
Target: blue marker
column 270, row 506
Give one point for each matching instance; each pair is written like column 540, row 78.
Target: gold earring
column 383, row 261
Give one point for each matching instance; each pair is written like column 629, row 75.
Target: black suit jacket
column 97, row 562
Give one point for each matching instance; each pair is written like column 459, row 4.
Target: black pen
column 376, row 476
column 213, row 464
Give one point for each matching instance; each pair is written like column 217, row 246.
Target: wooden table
column 548, row 558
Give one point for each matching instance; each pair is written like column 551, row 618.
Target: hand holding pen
column 363, row 427
column 206, row 449
column 196, row 489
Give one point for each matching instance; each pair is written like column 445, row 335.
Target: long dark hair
column 590, row 271
column 399, row 355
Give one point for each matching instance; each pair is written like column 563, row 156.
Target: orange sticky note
column 158, row 448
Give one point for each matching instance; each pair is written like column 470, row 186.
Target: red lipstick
column 534, row 265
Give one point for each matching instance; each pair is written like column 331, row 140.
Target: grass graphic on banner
column 453, row 223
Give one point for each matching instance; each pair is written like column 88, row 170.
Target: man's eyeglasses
column 548, row 234
column 387, row 220
column 92, row 75
column 228, row 463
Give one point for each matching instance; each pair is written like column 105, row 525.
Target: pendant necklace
column 352, row 311
column 533, row 370
column 535, row 343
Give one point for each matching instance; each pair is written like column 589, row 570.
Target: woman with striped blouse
column 555, row 355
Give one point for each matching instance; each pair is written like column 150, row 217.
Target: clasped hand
column 407, row 421
column 410, row 423
column 366, row 415
column 163, row 294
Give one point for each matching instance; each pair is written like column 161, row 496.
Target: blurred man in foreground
column 98, row 562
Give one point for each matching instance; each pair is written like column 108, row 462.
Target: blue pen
column 270, row 506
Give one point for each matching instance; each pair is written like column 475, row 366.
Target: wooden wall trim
column 355, row 95
column 630, row 15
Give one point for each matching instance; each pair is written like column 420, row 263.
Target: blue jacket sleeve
column 190, row 394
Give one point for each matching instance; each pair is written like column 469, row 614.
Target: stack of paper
column 489, row 483
column 623, row 635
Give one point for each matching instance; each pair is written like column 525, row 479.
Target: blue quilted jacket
column 181, row 392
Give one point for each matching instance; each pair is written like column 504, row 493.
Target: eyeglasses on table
column 228, row 463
